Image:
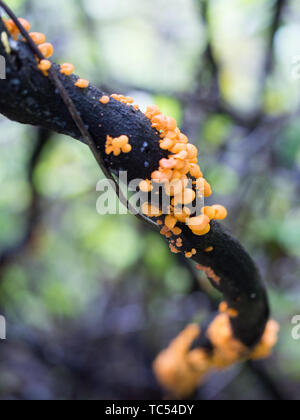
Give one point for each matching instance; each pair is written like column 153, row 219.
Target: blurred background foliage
column 89, row 299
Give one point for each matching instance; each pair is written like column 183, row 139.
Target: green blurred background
column 90, row 300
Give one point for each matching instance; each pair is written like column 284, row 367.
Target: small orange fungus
column 13, row 29
column 25, row 24
column 186, row 197
column 209, row 212
column 46, row 49
column 233, row 313
column 209, row 249
column 82, row 83
column 67, row 69
column 220, row 212
column 38, row 38
column 170, row 221
column 145, row 186
column 44, row 66
column 150, row 210
column 104, row 100
column 223, row 307
column 199, row 224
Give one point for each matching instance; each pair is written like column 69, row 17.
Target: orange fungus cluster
column 38, row 38
column 127, row 100
column 123, row 99
column 178, row 173
column 182, row 179
column 180, row 369
column 13, row 29
column 117, row 145
column 45, row 48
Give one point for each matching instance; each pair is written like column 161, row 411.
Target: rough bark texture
column 28, row 97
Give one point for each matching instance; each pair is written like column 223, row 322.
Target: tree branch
column 28, row 97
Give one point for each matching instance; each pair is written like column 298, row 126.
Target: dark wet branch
column 27, row 96
column 279, row 8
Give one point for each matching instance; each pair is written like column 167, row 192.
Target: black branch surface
column 28, row 97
